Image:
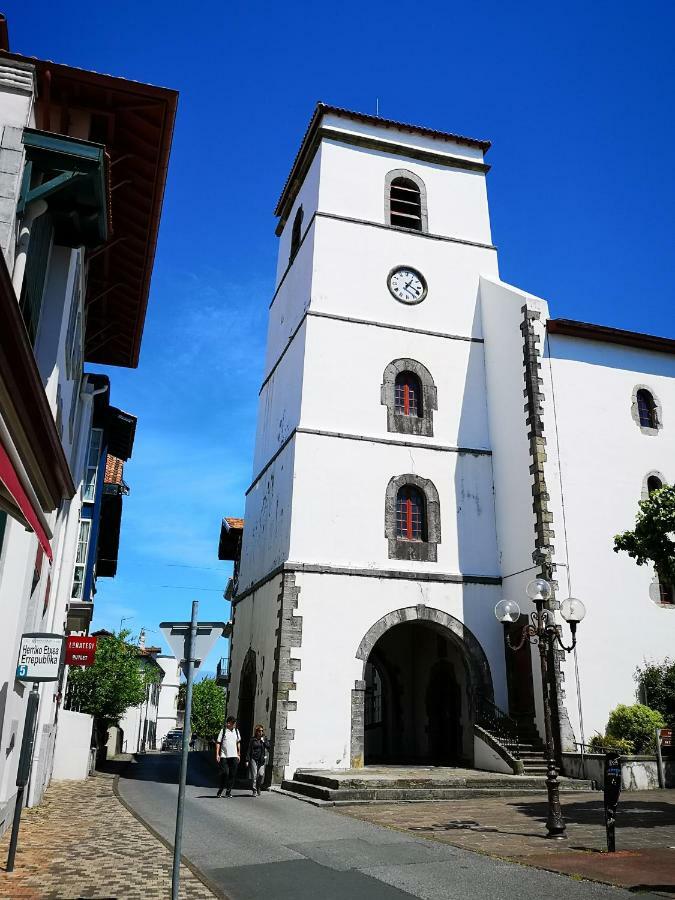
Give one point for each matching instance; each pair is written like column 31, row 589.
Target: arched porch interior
column 422, row 673
column 246, row 701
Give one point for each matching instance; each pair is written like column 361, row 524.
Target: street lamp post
column 544, row 632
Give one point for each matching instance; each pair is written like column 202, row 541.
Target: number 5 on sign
column 21, row 671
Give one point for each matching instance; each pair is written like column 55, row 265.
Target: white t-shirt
column 228, row 740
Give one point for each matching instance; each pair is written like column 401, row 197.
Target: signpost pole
column 659, row 760
column 190, row 658
column 23, row 772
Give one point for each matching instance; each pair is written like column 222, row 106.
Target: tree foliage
column 636, row 724
column 653, row 538
column 656, row 686
column 116, row 681
column 602, row 742
column 208, row 709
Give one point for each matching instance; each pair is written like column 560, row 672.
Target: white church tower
column 363, row 622
column 428, row 442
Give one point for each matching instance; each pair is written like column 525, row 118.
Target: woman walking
column 257, row 757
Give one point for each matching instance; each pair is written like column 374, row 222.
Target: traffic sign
column 80, row 651
column 177, row 635
column 39, row 657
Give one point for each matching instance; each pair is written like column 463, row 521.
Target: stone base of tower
column 351, row 670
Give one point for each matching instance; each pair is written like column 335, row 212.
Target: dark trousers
column 228, row 772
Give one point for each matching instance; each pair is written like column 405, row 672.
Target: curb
column 215, row 889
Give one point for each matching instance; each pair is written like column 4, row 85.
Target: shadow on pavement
column 629, row 813
column 164, row 768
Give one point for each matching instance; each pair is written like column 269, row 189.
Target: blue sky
column 577, row 99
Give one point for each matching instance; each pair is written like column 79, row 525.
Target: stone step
column 397, row 794
column 327, row 781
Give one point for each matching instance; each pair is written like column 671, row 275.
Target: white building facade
column 422, row 451
column 167, row 710
column 63, row 303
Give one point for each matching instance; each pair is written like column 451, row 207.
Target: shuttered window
column 405, row 204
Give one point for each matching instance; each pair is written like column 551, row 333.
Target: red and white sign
column 80, row 651
column 666, row 737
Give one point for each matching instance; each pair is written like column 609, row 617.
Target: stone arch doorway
column 246, row 701
column 422, row 670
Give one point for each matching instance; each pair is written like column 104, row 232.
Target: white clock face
column 407, row 285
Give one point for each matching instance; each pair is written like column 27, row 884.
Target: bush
column 599, row 743
column 656, row 687
column 635, row 724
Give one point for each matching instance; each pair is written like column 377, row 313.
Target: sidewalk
column 82, row 842
column 513, row 828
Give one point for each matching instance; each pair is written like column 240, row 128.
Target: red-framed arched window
column 408, row 395
column 410, row 514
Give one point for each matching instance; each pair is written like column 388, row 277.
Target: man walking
column 228, row 749
column 256, row 757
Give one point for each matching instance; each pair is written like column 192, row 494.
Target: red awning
column 11, row 481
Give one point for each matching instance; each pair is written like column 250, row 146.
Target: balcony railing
column 223, row 671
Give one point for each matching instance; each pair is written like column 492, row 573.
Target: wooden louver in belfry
column 405, row 204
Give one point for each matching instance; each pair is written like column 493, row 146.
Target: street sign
column 177, row 635
column 80, row 651
column 666, row 735
column 39, row 657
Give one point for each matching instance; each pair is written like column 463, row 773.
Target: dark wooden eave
column 607, row 335
column 135, row 123
column 24, row 406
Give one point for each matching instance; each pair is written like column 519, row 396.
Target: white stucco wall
column 255, row 623
column 352, row 184
column 73, row 742
column 603, row 460
column 167, row 708
column 342, row 484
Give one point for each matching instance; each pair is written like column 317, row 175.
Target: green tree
column 653, row 538
column 656, row 686
column 636, row 724
column 116, row 681
column 208, row 709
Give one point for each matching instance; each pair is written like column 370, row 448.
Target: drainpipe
column 33, row 211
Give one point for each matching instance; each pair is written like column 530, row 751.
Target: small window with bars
column 405, row 204
column 646, row 409
column 408, row 395
column 410, row 519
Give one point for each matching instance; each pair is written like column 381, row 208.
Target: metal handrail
column 498, row 723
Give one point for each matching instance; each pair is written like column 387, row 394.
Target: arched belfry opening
column 423, row 671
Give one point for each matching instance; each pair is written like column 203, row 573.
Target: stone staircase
column 389, row 784
column 531, row 750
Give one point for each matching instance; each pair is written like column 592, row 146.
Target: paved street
column 280, row 848
column 513, row 828
column 82, row 842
